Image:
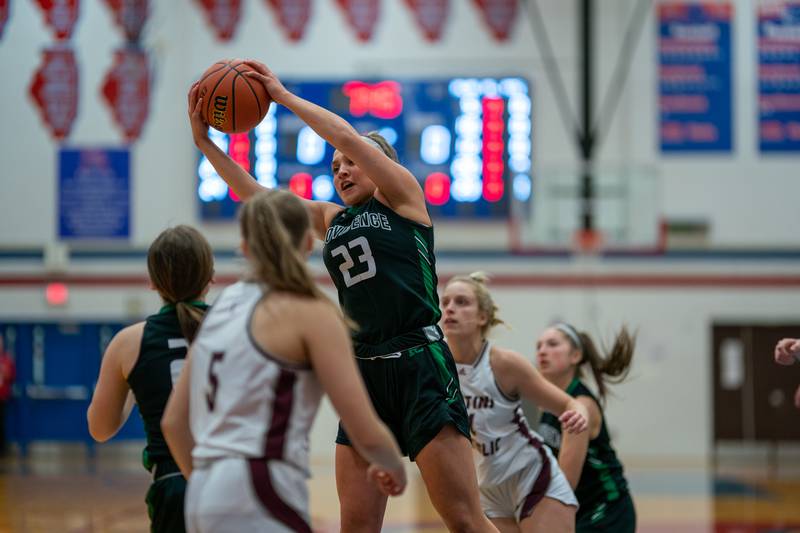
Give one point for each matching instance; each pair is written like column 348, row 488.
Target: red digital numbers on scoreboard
column 381, row 100
column 493, row 148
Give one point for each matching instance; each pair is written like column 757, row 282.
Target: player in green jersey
column 588, row 459
column 143, row 360
column 379, row 253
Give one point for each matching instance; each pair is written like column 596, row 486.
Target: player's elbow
column 170, row 424
column 99, row 431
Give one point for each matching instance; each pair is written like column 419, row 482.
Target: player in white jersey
column 238, row 420
column 522, row 487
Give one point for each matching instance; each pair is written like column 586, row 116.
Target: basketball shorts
column 618, row 516
column 236, row 494
column 416, row 393
column 165, row 501
column 507, row 499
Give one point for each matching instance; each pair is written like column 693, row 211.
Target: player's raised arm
column 397, row 187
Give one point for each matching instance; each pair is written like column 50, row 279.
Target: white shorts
column 507, row 499
column 238, row 494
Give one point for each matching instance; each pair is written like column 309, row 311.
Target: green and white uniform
column 161, row 357
column 605, row 503
column 384, row 269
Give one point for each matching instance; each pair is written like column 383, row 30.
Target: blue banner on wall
column 695, row 77
column 779, row 76
column 94, row 194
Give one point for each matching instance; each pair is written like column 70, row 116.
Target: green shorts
column 165, row 503
column 618, row 516
column 416, row 393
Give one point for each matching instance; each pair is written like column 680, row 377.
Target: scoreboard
column 467, row 140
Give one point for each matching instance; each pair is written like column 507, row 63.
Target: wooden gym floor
column 59, row 489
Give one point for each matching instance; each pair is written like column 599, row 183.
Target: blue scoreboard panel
column 467, row 140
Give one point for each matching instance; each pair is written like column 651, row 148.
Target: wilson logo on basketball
column 219, row 111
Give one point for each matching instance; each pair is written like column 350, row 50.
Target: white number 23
column 365, row 257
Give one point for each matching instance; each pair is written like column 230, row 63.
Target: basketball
column 232, row 102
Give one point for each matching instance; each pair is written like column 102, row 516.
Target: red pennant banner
column 130, row 16
column 499, row 16
column 60, row 15
column 362, row 15
column 126, row 90
column 54, row 89
column 223, row 16
column 430, row 16
column 292, row 15
column 3, row 15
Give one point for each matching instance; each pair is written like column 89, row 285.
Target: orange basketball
column 232, row 102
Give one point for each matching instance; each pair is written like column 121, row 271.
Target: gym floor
column 60, row 488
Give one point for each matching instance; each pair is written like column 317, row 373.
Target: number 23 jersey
column 384, row 270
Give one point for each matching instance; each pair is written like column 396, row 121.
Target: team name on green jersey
column 364, row 220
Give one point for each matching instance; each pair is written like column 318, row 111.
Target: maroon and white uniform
column 250, row 415
column 515, row 469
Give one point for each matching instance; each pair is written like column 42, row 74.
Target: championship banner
column 54, row 90
column 94, row 194
column 223, row 16
column 3, row 15
column 362, row 15
column 695, row 56
column 130, row 16
column 60, row 16
column 499, row 15
column 126, row 90
column 292, row 15
column 430, row 16
column 779, row 76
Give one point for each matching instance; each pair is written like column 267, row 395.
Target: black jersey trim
column 277, row 360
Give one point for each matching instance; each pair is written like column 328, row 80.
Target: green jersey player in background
column 143, row 361
column 588, row 459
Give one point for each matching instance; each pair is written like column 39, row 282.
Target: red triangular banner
column 362, row 15
column 54, row 89
column 130, row 16
column 499, row 15
column 126, row 90
column 292, row 15
column 3, row 15
column 60, row 16
column 430, row 16
column 223, row 16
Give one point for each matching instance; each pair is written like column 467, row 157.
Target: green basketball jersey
column 384, row 270
column 602, row 479
column 161, row 357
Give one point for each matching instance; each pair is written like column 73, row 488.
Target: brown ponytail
column 181, row 264
column 610, row 367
